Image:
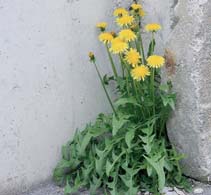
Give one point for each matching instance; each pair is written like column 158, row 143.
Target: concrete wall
column 48, row 88
column 186, row 34
column 190, row 125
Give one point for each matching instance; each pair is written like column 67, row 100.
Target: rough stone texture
column 51, row 189
column 190, row 125
column 48, row 88
column 45, row 189
column 47, row 84
column 186, row 34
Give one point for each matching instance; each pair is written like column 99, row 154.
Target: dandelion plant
column 126, row 151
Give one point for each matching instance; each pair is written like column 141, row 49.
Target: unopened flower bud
column 102, row 26
column 91, row 57
column 113, row 34
column 134, row 27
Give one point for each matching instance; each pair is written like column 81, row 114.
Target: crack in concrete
column 174, row 18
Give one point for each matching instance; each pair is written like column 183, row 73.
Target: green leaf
column 148, row 131
column 85, row 141
column 169, row 100
column 119, row 122
column 94, row 185
column 164, row 87
column 97, row 131
column 73, row 189
column 132, row 190
column 147, row 147
column 113, row 191
column 172, row 104
column 121, row 85
column 99, row 166
column 106, row 79
column 65, row 152
column 60, row 171
column 88, row 170
column 100, row 153
column 129, row 181
column 129, row 137
column 149, row 170
column 113, row 183
column 114, row 156
column 67, row 189
column 108, row 167
column 158, row 166
column 100, row 163
column 168, row 165
column 149, row 103
column 124, row 101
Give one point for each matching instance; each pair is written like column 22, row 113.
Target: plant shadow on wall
column 128, row 150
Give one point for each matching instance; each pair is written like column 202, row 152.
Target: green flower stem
column 122, row 65
column 123, row 71
column 152, row 77
column 153, row 46
column 125, row 65
column 135, row 84
column 106, row 92
column 139, row 91
column 141, row 41
column 142, row 48
column 138, row 47
column 135, row 88
column 163, row 120
column 127, row 83
column 128, row 75
column 162, row 127
column 111, row 61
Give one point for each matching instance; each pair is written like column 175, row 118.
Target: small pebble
column 167, row 189
column 198, row 191
column 146, row 193
column 171, row 193
column 179, row 192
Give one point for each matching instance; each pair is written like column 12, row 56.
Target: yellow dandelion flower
column 125, row 20
column 140, row 72
column 142, row 13
column 152, row 27
column 127, row 35
column 105, row 37
column 120, row 12
column 155, row 61
column 118, row 46
column 101, row 25
column 136, row 6
column 132, row 57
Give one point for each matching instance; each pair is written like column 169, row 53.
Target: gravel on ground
column 52, row 189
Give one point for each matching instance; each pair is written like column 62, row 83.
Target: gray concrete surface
column 186, row 35
column 48, row 88
column 190, row 125
column 47, row 83
column 45, row 189
column 51, row 189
